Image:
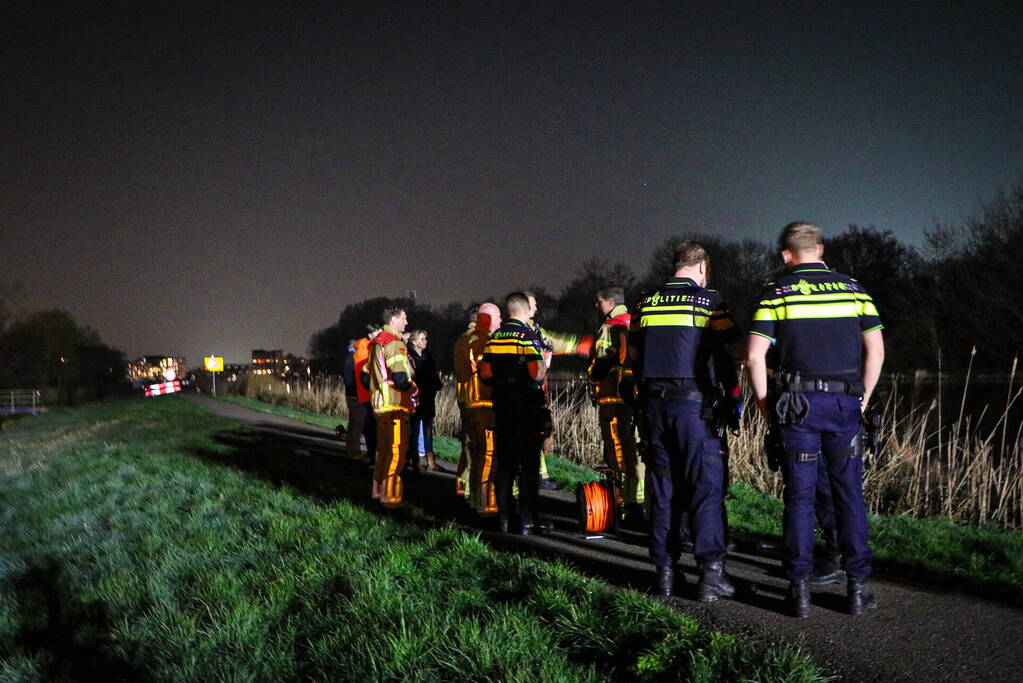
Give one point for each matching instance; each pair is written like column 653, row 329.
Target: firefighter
column 608, row 373
column 482, row 474
column 554, row 343
column 393, row 395
column 464, row 371
column 366, row 422
column 678, row 334
column 830, row 351
column 513, row 366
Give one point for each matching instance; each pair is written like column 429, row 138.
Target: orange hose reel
column 597, row 506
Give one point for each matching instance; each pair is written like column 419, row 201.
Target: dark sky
column 190, row 179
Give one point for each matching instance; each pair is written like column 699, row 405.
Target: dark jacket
column 428, row 381
column 348, row 374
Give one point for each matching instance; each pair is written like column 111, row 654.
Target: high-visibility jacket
column 464, row 370
column 361, row 356
column 391, row 373
column 478, row 394
column 609, row 363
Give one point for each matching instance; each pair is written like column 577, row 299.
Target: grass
column 144, row 540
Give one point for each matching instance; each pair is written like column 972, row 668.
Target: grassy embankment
column 984, row 559
column 136, row 546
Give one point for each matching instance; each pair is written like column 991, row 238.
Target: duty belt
column 821, row 385
column 673, row 393
column 796, row 384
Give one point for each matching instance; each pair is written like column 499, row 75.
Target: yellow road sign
column 214, row 363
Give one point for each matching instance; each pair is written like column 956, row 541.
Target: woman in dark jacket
column 428, row 382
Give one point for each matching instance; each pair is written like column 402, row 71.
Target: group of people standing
column 665, row 383
column 394, row 412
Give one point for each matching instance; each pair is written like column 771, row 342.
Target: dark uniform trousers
column 824, row 508
column 519, row 439
column 831, row 430
column 686, row 465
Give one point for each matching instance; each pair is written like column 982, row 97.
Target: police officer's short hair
column 373, row 327
column 799, row 236
column 392, row 312
column 612, row 293
column 471, row 311
column 689, row 254
column 517, row 300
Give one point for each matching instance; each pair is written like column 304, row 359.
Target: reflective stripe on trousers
column 392, row 437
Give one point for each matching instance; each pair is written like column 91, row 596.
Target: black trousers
column 519, row 436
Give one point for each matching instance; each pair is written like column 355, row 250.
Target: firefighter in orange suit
column 609, row 376
column 464, row 373
column 393, row 395
column 482, row 474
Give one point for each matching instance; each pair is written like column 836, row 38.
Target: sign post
column 214, row 364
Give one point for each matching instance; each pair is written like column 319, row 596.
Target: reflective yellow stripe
column 616, row 443
column 392, row 466
column 603, row 400
column 844, row 309
column 678, row 320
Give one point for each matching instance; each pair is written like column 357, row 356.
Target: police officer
column 678, row 335
column 609, row 376
column 830, row 351
column 514, row 367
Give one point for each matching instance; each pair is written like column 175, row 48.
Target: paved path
column 917, row 634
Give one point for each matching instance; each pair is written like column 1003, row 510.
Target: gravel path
column 917, row 633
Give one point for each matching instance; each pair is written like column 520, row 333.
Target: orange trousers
column 482, row 474
column 620, row 450
column 464, row 458
column 392, row 440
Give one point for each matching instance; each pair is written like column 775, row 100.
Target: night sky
column 194, row 179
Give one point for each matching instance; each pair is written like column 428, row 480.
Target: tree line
column 52, row 351
column 958, row 292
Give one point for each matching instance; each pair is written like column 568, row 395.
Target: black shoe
column 538, row 529
column 799, row 599
column 665, row 581
column 828, row 571
column 714, row 584
column 861, row 598
column 548, row 484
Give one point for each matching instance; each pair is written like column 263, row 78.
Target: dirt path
column 917, row 634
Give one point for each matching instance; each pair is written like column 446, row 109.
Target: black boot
column 861, row 598
column 635, row 517
column 799, row 599
column 665, row 581
column 828, row 571
column 713, row 584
